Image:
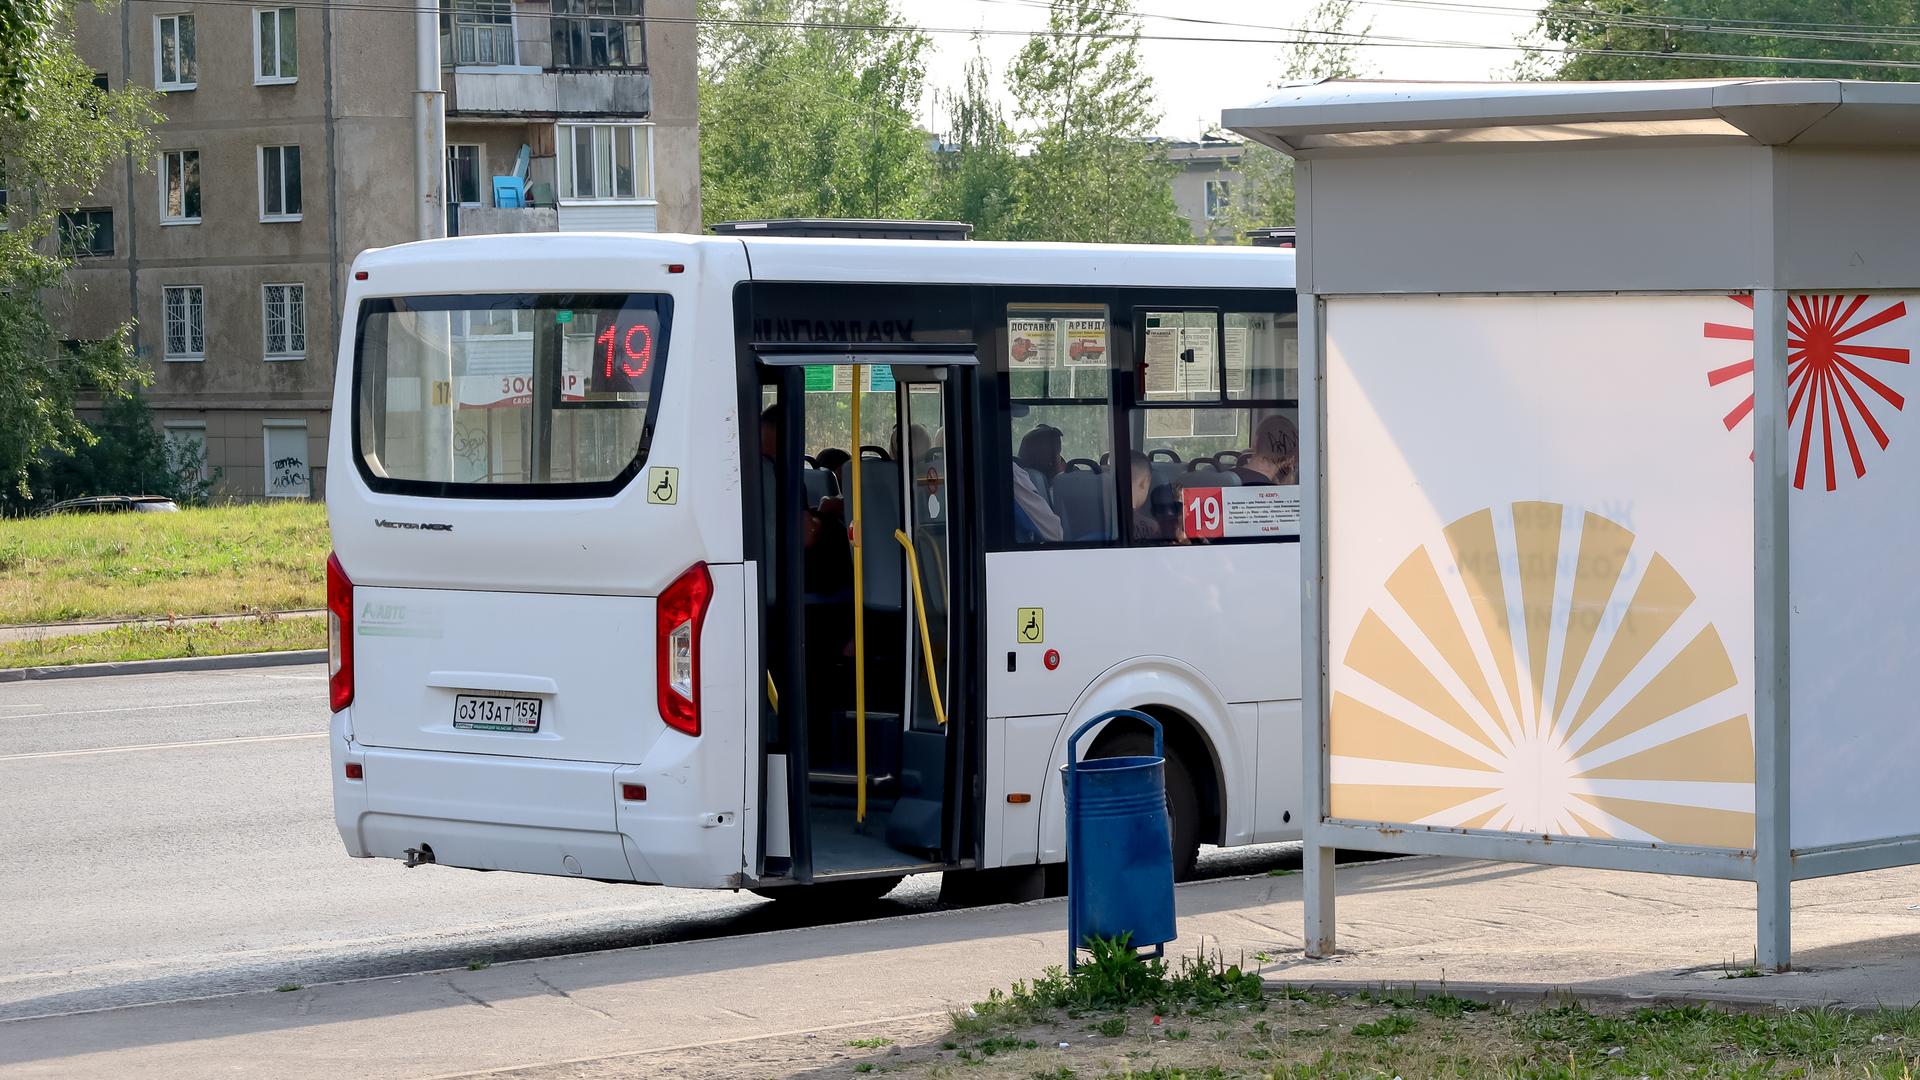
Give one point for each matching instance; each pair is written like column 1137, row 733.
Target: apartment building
column 1208, row 171
column 289, row 147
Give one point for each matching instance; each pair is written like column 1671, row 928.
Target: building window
column 606, row 162
column 180, row 187
column 1219, row 196
column 481, row 33
column 86, row 231
column 100, row 81
column 174, row 66
column 279, row 183
column 599, row 34
column 284, row 316
column 185, row 311
column 464, row 166
column 286, row 446
column 186, row 443
column 275, row 49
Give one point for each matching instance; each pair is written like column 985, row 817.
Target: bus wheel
column 832, row 893
column 1183, row 804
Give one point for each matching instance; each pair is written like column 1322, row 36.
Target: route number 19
column 1202, row 517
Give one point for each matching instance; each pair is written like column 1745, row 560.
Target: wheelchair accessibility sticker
column 1031, row 626
column 663, row 486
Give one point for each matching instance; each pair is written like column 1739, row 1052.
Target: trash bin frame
column 1074, row 871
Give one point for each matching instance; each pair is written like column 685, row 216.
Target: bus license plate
column 496, row 712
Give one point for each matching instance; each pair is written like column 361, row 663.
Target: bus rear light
column 678, row 616
column 354, row 771
column 633, row 792
column 339, row 635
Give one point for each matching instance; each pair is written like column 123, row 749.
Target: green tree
column 1265, row 193
column 56, row 151
column 26, row 38
column 812, row 120
column 1671, row 32
column 1087, row 108
column 975, row 167
column 127, row 456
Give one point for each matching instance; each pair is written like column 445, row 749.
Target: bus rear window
column 497, row 395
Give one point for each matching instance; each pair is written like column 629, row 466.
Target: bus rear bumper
column 527, row 815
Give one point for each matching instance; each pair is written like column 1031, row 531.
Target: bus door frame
column 783, row 365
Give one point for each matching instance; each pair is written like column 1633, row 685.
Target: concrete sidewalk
column 1505, row 929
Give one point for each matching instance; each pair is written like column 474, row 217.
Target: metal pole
column 429, row 123
column 1316, row 858
column 1772, row 790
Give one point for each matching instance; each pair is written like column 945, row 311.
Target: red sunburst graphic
column 1823, row 375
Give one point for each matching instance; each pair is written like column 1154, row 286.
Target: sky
column 1195, row 80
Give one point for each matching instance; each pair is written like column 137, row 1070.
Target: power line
column 1314, row 37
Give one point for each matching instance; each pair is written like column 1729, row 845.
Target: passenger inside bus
column 1275, row 456
column 1146, row 526
column 1038, row 463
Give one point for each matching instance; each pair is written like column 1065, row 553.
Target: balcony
column 488, row 220
column 528, row 92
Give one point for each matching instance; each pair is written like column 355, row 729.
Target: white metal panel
column 1855, row 592
column 990, row 263
column 1540, row 566
column 1231, row 611
column 1277, row 782
column 610, row 217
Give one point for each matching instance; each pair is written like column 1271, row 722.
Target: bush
column 128, row 457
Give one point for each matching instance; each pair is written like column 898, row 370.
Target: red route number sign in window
column 623, row 357
column 1203, row 513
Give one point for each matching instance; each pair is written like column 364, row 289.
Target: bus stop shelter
column 1610, row 492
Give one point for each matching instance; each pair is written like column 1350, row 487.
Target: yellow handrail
column 926, row 639
column 859, row 626
column 773, row 695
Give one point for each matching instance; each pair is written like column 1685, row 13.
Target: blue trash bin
column 1119, row 845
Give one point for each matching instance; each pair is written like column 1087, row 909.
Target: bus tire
column 856, row 891
column 1183, row 802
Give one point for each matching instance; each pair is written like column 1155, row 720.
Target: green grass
column 214, row 561
column 163, row 642
column 1373, row 1036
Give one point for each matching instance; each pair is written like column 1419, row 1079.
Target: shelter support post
column 1316, row 856
column 1772, row 791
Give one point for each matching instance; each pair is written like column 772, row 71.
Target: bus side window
column 1058, row 389
column 1210, row 422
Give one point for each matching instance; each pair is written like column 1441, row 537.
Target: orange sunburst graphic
column 1826, row 369
column 1559, row 680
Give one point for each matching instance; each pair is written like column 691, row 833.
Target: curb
column 181, row 663
column 1491, row 994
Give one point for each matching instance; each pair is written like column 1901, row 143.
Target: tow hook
column 419, row 856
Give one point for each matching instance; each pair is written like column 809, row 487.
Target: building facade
column 288, row 147
column 1209, row 170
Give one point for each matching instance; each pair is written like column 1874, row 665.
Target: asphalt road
column 171, row 836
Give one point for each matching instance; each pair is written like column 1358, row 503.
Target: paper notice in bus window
column 1087, row 342
column 819, row 379
column 880, row 379
column 1030, row 343
column 1169, row 423
column 1163, row 361
column 1236, row 346
column 1198, row 373
column 1226, row 513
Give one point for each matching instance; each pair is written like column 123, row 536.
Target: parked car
column 113, row 504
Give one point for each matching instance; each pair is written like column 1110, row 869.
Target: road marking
column 164, row 746
column 149, row 708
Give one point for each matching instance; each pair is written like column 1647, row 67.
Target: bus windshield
column 531, row 393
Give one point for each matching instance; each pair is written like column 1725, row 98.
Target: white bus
column 621, row 589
